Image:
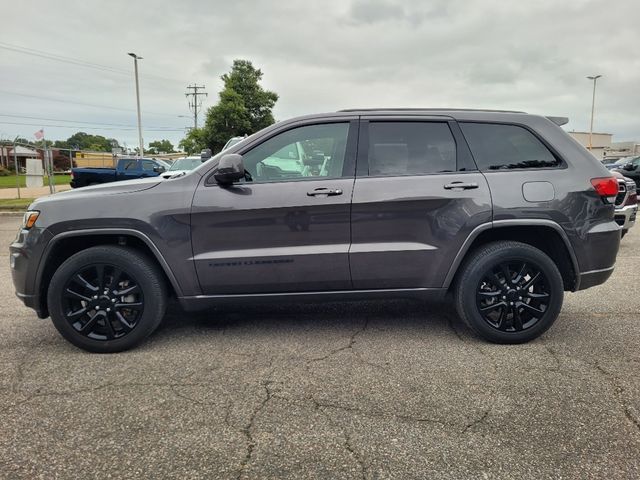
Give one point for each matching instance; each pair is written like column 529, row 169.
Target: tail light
column 606, row 187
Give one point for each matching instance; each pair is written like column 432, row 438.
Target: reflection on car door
column 280, row 230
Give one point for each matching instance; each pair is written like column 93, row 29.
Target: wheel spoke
column 517, row 320
column 127, row 291
column 123, row 321
column 485, row 293
column 71, row 294
column 77, row 314
column 492, row 307
column 534, row 311
column 111, row 333
column 502, row 317
column 537, row 296
column 88, row 327
column 531, row 281
column 521, row 273
column 82, row 281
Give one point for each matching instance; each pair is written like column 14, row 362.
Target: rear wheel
column 107, row 298
column 509, row 292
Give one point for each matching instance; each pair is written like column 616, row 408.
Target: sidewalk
column 30, row 192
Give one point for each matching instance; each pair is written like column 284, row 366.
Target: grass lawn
column 15, row 204
column 10, row 181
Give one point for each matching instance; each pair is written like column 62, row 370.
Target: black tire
column 623, row 233
column 513, row 311
column 122, row 285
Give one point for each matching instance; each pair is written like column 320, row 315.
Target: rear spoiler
column 559, row 120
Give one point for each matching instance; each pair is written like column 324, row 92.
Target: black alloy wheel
column 103, row 302
column 107, row 298
column 508, row 291
column 513, row 296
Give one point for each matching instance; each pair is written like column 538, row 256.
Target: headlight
column 29, row 219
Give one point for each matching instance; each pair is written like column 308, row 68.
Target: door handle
column 460, row 185
column 324, row 191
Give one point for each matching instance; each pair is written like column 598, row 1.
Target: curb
column 9, row 213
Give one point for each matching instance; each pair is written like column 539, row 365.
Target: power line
column 161, row 129
column 196, row 103
column 51, row 99
column 75, row 61
column 71, row 121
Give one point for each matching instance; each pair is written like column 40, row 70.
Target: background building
column 600, row 143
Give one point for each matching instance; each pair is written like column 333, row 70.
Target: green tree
column 194, row 142
column 85, row 141
column 244, row 106
column 158, row 146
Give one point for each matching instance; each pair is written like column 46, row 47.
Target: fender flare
column 529, row 222
column 108, row 231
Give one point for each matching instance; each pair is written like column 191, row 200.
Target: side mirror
column 159, row 169
column 230, row 169
column 628, row 167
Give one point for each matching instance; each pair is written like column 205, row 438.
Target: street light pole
column 593, row 104
column 135, row 66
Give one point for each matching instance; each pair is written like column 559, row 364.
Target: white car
column 182, row 166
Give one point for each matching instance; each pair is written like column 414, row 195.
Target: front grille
column 622, row 192
column 619, row 220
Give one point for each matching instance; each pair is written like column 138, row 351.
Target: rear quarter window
column 505, row 147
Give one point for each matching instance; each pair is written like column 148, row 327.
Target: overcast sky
column 318, row 56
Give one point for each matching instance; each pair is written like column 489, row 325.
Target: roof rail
column 426, row 110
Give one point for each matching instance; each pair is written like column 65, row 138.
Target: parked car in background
column 626, row 203
column 126, row 169
column 630, row 168
column 181, row 166
column 232, row 141
column 501, row 210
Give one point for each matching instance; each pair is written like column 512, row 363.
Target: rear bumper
column 594, row 277
column 598, row 252
column 626, row 216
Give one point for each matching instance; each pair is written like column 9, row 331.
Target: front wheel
column 107, row 299
column 509, row 292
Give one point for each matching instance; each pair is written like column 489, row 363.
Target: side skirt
column 202, row 302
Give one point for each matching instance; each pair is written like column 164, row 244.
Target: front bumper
column 25, row 254
column 626, row 216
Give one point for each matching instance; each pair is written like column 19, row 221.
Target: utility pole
column 195, row 104
column 135, row 66
column 593, row 103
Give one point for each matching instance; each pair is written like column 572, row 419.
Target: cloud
column 326, row 55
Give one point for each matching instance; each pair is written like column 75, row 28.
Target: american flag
column 39, row 134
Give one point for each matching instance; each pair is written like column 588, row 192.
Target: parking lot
column 354, row 390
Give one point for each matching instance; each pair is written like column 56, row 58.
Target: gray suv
column 503, row 210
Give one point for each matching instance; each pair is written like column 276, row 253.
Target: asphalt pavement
column 363, row 390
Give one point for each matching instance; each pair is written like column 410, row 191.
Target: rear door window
column 505, row 147
column 410, row 148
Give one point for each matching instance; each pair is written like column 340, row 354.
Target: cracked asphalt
column 363, row 390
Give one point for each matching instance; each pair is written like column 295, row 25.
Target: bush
column 5, row 172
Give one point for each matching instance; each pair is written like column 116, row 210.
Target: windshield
column 186, row 164
column 166, row 165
